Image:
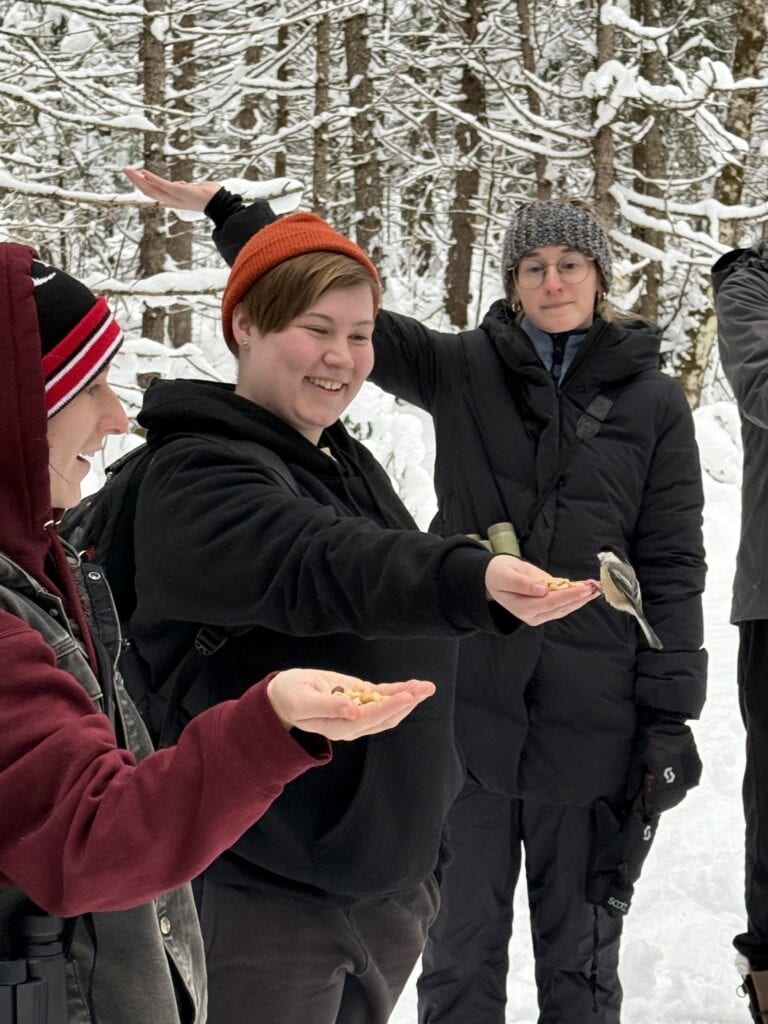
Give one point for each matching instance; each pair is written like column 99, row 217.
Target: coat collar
column 610, row 352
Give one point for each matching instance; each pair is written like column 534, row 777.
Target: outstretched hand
column 521, row 588
column 304, row 699
column 179, row 195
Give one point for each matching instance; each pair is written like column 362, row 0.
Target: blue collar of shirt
column 542, row 342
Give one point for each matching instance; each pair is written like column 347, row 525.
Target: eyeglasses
column 572, row 269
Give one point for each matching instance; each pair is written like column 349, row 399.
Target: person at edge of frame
column 96, row 828
column 740, row 280
column 343, row 870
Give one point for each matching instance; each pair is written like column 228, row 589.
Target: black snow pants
column 753, row 701
column 575, row 944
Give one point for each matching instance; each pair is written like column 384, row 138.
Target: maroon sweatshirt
column 83, row 827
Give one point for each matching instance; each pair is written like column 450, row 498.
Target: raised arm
column 234, row 223
column 411, row 360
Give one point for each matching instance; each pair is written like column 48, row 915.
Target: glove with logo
column 668, row 765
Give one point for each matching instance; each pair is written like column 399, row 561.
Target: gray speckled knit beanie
column 554, row 223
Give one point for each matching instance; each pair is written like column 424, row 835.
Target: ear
column 242, row 325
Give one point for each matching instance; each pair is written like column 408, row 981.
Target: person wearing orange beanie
column 96, row 828
column 320, row 912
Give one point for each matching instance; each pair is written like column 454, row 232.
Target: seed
column 558, row 583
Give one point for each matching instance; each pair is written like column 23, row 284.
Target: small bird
column 622, row 591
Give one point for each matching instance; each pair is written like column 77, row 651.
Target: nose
column 113, row 418
column 552, row 277
column 338, row 353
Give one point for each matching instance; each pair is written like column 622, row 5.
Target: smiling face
column 556, row 305
column 308, row 372
column 78, row 431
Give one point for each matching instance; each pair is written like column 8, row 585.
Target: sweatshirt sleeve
column 414, row 362
column 741, row 303
column 668, row 554
column 235, row 223
column 84, row 828
column 222, row 543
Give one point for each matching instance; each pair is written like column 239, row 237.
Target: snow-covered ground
column 677, row 959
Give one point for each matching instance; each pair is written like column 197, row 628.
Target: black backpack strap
column 258, row 453
column 208, row 640
column 587, row 426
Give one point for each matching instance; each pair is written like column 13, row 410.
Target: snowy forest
column 416, row 127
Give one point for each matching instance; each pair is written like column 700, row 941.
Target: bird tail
column 650, row 636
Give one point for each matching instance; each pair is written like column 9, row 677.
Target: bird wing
column 628, row 585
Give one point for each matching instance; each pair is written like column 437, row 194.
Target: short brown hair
column 290, row 288
column 289, row 236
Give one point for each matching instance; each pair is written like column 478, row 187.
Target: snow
column 677, row 962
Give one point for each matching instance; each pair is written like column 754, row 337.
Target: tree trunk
column 152, row 246
column 649, row 160
column 365, row 156
column 181, row 168
column 417, row 205
column 749, row 41
column 322, row 148
column 467, row 183
column 603, row 149
column 281, row 113
column 245, row 119
column 748, row 48
column 543, row 184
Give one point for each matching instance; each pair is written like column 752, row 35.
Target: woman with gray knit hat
column 557, row 431
column 553, row 415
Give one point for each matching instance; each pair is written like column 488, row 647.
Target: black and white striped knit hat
column 78, row 334
column 553, row 222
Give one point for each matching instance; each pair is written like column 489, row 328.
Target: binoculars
column 500, row 538
column 33, row 989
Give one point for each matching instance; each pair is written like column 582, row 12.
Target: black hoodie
column 339, row 578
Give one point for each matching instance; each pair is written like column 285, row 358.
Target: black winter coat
column 740, row 280
column 339, row 578
column 551, row 713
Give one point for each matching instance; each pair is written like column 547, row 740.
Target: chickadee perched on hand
column 622, row 591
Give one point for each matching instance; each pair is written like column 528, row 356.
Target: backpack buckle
column 210, row 639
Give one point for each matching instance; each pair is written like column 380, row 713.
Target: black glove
column 667, row 762
column 620, row 844
column 667, row 765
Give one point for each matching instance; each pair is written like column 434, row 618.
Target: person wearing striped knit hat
column 93, row 821
column 78, row 333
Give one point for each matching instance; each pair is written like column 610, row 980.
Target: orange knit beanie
column 290, row 236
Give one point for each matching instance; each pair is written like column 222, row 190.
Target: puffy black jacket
column 339, row 578
column 740, row 281
column 551, row 713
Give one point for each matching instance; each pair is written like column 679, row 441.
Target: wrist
column 273, row 696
